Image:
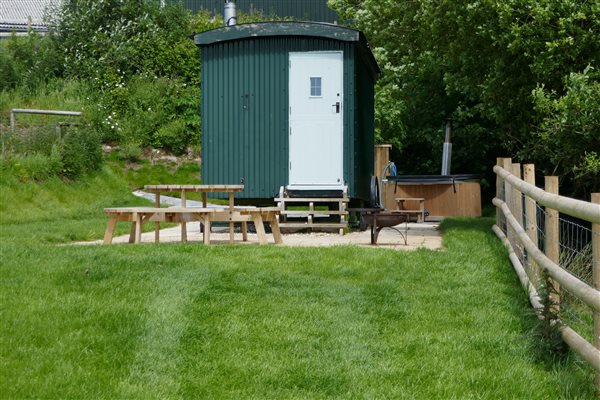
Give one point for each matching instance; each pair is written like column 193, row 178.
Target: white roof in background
column 17, row 12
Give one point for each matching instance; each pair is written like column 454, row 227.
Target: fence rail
column 576, row 208
column 15, row 111
column 557, row 278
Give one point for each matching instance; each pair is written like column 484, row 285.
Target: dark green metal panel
column 244, row 121
column 303, row 10
column 364, row 141
column 245, row 115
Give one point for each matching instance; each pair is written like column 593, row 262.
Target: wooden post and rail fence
column 517, row 226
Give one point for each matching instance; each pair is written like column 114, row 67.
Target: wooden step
column 322, row 225
column 300, row 213
column 312, row 200
column 311, row 218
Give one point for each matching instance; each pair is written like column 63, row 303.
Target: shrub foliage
column 509, row 72
column 138, row 76
column 42, row 152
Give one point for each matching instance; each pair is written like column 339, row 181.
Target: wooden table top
column 194, row 188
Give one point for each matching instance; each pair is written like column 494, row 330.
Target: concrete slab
column 420, row 235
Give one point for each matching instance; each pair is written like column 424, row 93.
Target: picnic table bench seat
column 418, row 212
column 140, row 215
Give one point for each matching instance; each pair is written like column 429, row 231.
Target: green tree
column 571, row 123
column 478, row 62
column 28, row 62
column 100, row 38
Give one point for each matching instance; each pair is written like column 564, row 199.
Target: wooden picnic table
column 420, row 212
column 203, row 189
column 140, row 215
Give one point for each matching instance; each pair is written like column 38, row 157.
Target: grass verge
column 187, row 320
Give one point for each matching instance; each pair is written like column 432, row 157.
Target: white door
column 316, row 120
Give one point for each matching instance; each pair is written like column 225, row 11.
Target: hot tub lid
column 433, row 179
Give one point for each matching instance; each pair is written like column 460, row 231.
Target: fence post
column 517, row 201
column 507, row 165
column 381, row 158
column 531, row 221
column 596, row 278
column 517, row 196
column 552, row 245
column 499, row 194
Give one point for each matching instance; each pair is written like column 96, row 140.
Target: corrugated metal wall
column 364, row 140
column 301, row 10
column 245, row 114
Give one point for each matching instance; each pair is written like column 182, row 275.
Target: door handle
column 337, row 107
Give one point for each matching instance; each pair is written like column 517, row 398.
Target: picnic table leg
column 275, row 230
column 206, row 232
column 138, row 227
column 260, row 228
column 157, row 224
column 422, row 211
column 132, row 230
column 183, row 224
column 245, row 231
column 231, row 231
column 110, row 229
column 204, row 203
column 231, row 224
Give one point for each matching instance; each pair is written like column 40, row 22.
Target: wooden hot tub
column 445, row 195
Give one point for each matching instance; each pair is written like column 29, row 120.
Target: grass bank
column 187, row 320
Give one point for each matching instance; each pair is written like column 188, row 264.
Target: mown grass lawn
column 191, row 321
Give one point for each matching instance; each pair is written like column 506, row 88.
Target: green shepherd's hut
column 288, row 106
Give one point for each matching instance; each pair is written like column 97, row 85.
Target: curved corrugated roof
column 243, row 31
column 273, row 29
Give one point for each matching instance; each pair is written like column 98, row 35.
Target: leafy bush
column 172, row 136
column 35, row 139
column 569, row 134
column 81, row 152
column 130, row 151
column 39, row 153
column 99, row 38
column 148, row 111
column 27, row 62
column 478, row 63
column 9, row 77
column 129, row 65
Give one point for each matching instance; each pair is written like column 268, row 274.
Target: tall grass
column 191, row 321
column 33, row 213
column 67, row 95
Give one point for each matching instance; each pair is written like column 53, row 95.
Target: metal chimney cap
column 229, row 13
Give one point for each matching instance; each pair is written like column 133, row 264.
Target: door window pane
column 315, row 87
